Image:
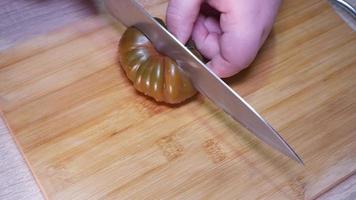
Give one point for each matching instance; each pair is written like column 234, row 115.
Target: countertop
column 21, row 20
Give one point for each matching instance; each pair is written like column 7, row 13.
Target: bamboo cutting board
column 87, row 134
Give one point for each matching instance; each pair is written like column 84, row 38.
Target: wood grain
column 344, row 191
column 20, row 20
column 88, row 135
column 16, row 182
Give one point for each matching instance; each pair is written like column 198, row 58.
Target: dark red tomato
column 151, row 72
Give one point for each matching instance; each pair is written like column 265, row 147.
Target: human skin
column 228, row 33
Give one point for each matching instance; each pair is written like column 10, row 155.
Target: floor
column 19, row 20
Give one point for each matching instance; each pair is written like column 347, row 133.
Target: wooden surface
column 16, row 181
column 21, row 20
column 346, row 190
column 88, row 134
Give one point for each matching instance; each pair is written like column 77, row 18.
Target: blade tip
column 300, row 161
column 297, row 158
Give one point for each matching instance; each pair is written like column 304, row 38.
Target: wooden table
column 323, row 196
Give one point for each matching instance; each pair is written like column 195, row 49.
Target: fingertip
column 182, row 35
column 181, row 16
column 199, row 31
column 213, row 25
column 174, row 25
column 206, row 41
column 223, row 68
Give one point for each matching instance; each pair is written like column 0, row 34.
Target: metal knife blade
column 130, row 13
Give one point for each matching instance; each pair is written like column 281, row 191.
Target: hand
column 227, row 32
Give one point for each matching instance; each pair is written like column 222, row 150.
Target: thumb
column 181, row 16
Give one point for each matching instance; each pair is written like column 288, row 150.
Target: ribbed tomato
column 151, row 72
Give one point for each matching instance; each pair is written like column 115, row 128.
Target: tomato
column 151, row 72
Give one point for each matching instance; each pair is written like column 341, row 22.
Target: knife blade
column 130, row 13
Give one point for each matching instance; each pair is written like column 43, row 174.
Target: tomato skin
column 151, row 72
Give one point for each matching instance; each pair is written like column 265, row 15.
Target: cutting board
column 87, row 134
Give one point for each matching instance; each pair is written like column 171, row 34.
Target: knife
column 347, row 11
column 130, row 13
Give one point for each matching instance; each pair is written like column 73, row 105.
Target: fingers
column 231, row 43
column 181, row 16
column 244, row 25
column 221, row 48
column 237, row 50
column 206, row 34
column 228, row 52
